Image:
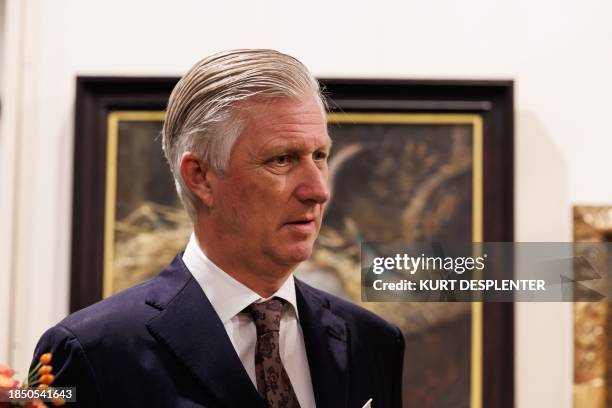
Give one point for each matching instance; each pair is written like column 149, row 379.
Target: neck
column 263, row 279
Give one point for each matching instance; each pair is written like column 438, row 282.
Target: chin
column 299, row 253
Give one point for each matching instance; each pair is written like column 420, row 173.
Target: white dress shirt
column 229, row 297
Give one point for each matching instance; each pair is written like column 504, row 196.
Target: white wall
column 9, row 84
column 4, row 275
column 2, row 13
column 557, row 51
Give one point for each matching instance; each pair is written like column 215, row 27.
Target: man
column 226, row 324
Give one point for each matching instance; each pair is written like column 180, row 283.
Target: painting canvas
column 405, row 177
column 146, row 224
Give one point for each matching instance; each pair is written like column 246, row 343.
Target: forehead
column 282, row 121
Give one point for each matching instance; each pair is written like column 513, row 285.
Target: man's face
column 267, row 208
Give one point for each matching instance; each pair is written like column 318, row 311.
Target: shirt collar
column 228, row 296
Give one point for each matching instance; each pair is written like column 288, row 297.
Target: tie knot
column 266, row 315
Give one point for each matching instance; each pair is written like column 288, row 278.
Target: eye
column 319, row 156
column 281, row 160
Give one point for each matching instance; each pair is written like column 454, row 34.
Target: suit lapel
column 325, row 337
column 188, row 325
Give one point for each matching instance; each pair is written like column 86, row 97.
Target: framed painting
column 412, row 160
column 592, row 320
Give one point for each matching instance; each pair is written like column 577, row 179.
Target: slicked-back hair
column 202, row 115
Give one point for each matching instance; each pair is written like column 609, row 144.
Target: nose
column 313, row 184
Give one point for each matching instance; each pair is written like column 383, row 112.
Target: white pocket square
column 368, row 404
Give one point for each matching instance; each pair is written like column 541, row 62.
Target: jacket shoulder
column 130, row 309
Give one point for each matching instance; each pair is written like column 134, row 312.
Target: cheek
column 266, row 192
column 255, row 202
column 251, row 204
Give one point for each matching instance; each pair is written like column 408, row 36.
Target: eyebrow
column 291, row 148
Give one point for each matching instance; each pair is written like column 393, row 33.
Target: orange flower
column 46, row 379
column 43, row 386
column 46, row 369
column 46, row 358
column 6, row 370
column 7, row 382
column 58, row 402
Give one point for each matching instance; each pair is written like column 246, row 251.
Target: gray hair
column 202, row 118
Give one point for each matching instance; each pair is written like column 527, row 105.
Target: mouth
column 302, row 221
column 302, row 225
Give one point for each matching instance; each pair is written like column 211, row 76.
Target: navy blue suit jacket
column 161, row 344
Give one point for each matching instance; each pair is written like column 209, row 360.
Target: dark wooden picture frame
column 97, row 97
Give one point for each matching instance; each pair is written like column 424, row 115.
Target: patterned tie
column 272, row 380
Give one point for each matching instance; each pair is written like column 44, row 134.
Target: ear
column 196, row 175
